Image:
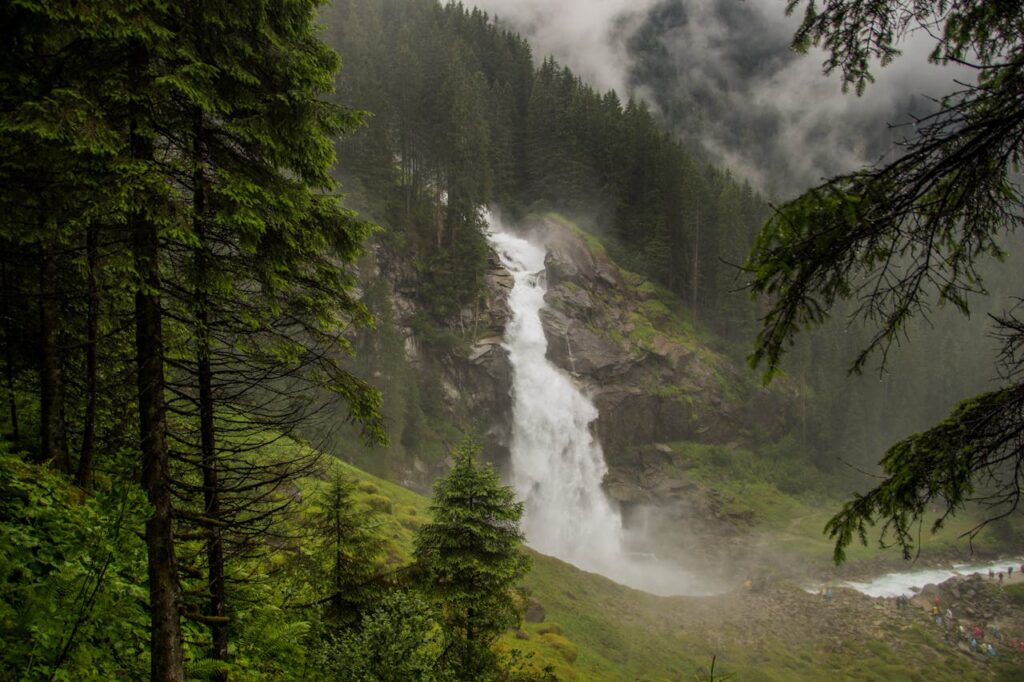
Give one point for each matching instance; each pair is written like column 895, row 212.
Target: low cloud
column 722, row 75
column 589, row 36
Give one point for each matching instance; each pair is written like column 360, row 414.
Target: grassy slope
column 788, row 505
column 597, row 630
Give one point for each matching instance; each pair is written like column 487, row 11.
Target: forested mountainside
column 463, row 120
column 719, row 74
column 464, row 117
column 192, row 315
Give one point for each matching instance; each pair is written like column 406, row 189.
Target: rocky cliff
column 657, row 383
column 653, row 375
column 440, row 382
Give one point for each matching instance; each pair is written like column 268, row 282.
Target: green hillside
column 595, row 629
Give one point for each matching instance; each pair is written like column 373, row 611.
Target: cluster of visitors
column 980, row 639
column 1008, row 573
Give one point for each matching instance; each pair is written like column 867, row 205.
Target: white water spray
column 557, row 463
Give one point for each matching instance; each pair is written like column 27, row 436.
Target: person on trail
column 991, row 650
column 935, row 610
column 1009, row 571
column 1000, row 577
column 991, row 574
column 978, row 632
column 1022, row 646
column 974, row 644
column 949, row 614
column 828, row 594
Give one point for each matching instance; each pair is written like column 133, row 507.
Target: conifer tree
column 197, row 135
column 346, row 550
column 471, row 560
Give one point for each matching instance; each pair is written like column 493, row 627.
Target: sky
column 734, row 88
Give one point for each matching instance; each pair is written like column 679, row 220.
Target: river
column 908, row 582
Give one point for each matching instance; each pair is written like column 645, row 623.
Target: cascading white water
column 557, row 463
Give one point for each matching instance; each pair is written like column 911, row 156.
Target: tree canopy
column 901, row 238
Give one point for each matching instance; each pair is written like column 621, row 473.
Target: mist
column 722, row 76
column 589, row 36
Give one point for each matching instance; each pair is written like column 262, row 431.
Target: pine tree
column 346, row 550
column 471, row 560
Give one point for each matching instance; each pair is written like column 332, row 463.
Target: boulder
column 534, row 612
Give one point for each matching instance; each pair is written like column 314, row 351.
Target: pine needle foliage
column 471, row 560
column 902, row 238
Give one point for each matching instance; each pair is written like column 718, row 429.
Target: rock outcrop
column 653, row 381
column 473, row 373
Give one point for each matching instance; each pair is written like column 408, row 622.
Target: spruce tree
column 471, row 560
column 193, row 138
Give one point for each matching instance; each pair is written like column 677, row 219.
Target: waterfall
column 557, row 462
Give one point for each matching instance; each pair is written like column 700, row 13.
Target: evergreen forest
column 247, row 284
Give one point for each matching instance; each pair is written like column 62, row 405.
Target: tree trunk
column 207, row 428
column 53, row 436
column 84, row 475
column 211, row 503
column 5, row 313
column 337, row 551
column 165, row 633
column 696, row 266
column 166, row 664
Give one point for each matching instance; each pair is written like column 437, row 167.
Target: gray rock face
column 534, row 611
column 580, row 351
column 475, row 380
column 650, row 383
column 569, row 259
column 653, row 383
